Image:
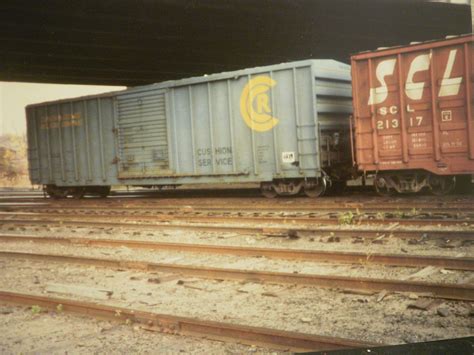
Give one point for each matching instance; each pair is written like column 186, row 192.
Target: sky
column 15, row 96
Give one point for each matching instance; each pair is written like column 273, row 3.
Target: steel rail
column 244, row 219
column 77, row 205
column 171, row 324
column 244, row 203
column 20, row 196
column 280, row 231
column 460, row 263
column 22, row 200
column 305, row 215
column 446, row 291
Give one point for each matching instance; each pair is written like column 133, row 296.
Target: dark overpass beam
column 136, row 42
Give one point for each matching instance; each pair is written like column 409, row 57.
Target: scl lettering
column 393, row 110
column 414, row 90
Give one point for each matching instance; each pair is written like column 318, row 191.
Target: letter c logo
column 255, row 104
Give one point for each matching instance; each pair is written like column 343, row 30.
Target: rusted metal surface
column 244, row 200
column 413, row 107
column 447, row 291
column 242, row 218
column 277, row 231
column 457, row 263
column 248, row 207
column 171, row 324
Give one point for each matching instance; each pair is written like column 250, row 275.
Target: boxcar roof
column 414, row 46
column 325, row 67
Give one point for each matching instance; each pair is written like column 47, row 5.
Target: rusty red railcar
column 413, row 115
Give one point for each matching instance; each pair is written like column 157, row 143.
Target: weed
column 35, row 309
column 346, row 218
column 59, row 308
column 399, row 214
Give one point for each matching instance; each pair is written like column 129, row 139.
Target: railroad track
column 242, row 218
column 278, row 212
column 438, row 290
column 250, row 204
column 114, row 214
column 454, row 263
column 293, row 205
column 170, row 324
column 282, row 231
column 286, row 218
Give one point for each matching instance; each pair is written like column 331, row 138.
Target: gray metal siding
column 246, row 126
column 142, row 135
column 34, row 162
column 212, row 138
column 72, row 143
column 202, row 130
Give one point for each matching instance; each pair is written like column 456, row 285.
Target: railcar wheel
column 56, row 192
column 267, row 190
column 442, row 185
column 316, row 188
column 382, row 188
column 78, row 192
column 384, row 191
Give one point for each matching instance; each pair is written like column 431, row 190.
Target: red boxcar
column 413, row 115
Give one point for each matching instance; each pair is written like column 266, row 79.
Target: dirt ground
column 310, row 241
column 26, row 332
column 329, row 312
column 380, row 318
column 246, row 263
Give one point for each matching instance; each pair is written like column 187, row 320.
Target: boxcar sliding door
column 142, row 134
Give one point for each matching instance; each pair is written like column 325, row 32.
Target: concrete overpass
column 125, row 42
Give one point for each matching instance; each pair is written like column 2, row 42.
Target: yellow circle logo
column 255, row 104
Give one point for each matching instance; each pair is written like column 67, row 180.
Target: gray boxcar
column 284, row 126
